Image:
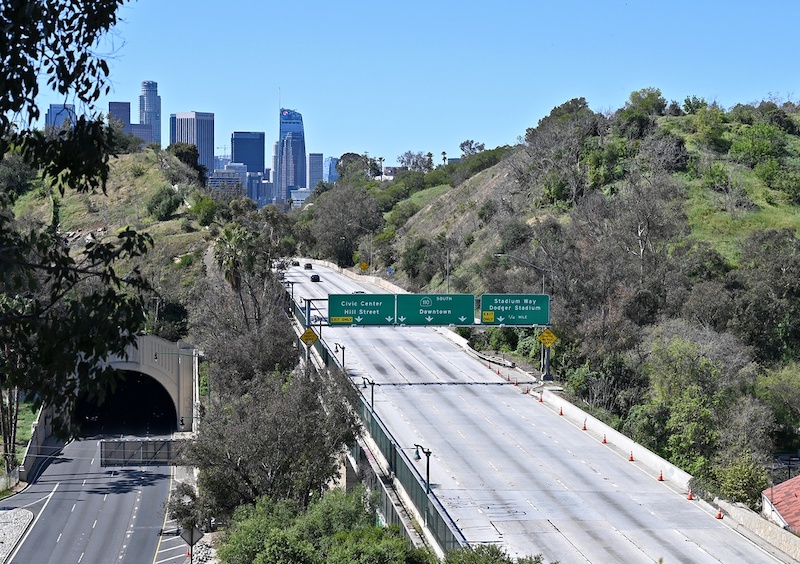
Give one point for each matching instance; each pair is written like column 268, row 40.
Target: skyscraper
column 247, row 147
column 313, row 170
column 290, row 165
column 150, row 110
column 121, row 111
column 329, row 173
column 57, row 114
column 196, row 128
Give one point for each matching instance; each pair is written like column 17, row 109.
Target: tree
column 62, row 314
column 164, row 203
column 338, row 528
column 275, row 437
column 189, row 155
column 470, row 147
column 342, row 217
column 554, row 152
column 415, row 161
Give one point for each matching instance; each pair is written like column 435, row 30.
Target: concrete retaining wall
column 751, row 523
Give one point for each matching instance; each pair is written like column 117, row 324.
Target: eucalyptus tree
column 62, row 313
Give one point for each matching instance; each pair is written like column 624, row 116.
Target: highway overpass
column 525, row 471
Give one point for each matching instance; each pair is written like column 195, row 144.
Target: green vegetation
column 665, row 232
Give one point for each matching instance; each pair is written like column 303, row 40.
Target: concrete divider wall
column 754, row 523
column 626, row 445
column 41, row 429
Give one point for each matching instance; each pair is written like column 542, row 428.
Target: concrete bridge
column 175, row 367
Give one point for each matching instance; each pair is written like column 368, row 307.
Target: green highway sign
column 515, row 309
column 361, row 309
column 435, row 309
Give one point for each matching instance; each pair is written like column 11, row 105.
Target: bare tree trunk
column 9, row 411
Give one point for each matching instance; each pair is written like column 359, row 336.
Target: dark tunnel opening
column 138, row 406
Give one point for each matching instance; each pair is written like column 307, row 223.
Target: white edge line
column 32, row 525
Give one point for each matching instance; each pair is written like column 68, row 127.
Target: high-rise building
column 57, row 114
column 143, row 131
column 290, row 165
column 329, row 173
column 196, row 128
column 313, row 170
column 150, row 110
column 247, row 147
column 121, row 111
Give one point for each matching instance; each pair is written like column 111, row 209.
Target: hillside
column 665, row 234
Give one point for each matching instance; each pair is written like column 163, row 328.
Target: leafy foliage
column 338, row 528
column 62, row 311
column 164, row 203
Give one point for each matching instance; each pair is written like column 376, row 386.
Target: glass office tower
column 290, row 161
column 247, row 147
column 150, row 110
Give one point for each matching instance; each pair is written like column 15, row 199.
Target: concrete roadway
column 87, row 514
column 509, row 469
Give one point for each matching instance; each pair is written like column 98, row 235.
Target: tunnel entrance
column 138, row 406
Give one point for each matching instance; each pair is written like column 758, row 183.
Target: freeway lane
column 510, row 470
column 86, row 514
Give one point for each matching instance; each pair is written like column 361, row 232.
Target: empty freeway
column 509, row 469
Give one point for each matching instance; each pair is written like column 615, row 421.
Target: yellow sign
column 488, row 317
column 547, row 338
column 309, row 337
column 364, row 266
column 347, row 319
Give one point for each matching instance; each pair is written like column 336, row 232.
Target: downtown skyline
column 382, row 79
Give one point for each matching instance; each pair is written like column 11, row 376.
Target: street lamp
column 336, row 348
column 545, row 350
column 427, row 453
column 364, row 382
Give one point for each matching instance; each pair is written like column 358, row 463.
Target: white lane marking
column 33, row 524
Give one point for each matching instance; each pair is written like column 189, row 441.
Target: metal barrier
column 440, row 524
column 137, row 452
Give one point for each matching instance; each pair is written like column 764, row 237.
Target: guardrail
column 437, row 520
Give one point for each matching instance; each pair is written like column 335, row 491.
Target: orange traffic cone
column 515, row 381
column 498, row 371
column 719, row 513
column 690, row 497
column 604, row 438
column 660, row 476
column 584, row 425
column 526, row 390
column 631, row 457
column 560, row 411
column 489, row 365
column 541, row 396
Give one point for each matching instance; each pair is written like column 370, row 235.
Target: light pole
column 427, row 453
column 336, row 348
column 417, row 457
column 524, row 261
column 545, row 350
column 364, row 382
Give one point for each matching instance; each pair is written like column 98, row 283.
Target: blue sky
column 389, row 77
